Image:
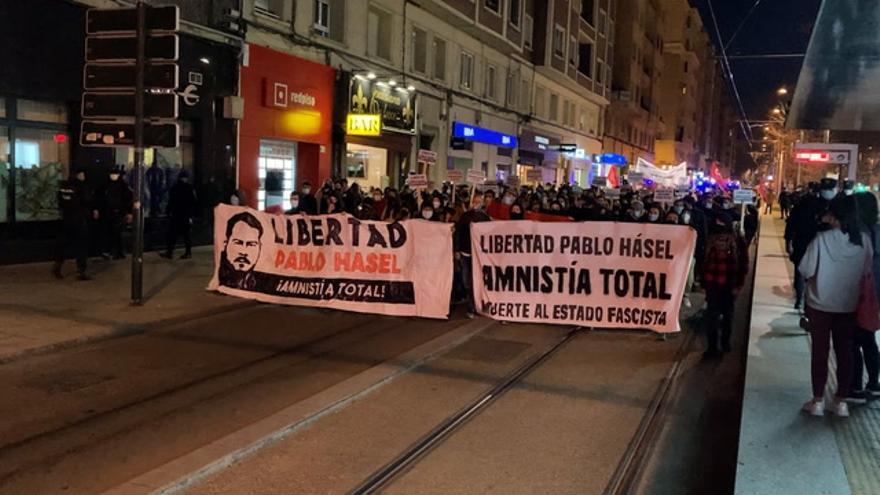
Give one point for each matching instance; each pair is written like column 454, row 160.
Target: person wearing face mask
column 308, row 203
column 516, row 212
column 77, row 208
column 461, row 237
column 295, row 204
column 803, row 224
column 118, row 200
column 653, row 214
column 636, row 213
column 428, row 213
column 723, row 277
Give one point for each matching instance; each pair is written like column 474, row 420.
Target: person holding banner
column 726, row 265
column 463, row 252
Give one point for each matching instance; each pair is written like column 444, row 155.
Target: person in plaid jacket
column 724, row 273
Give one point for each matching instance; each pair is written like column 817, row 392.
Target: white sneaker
column 814, row 408
column 839, row 408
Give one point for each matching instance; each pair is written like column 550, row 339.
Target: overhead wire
column 725, row 64
column 741, row 24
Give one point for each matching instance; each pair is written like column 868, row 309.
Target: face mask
column 436, row 204
column 678, row 209
column 427, row 214
column 307, row 190
column 638, row 213
column 686, row 218
column 508, row 200
column 294, row 204
column 653, row 217
column 707, row 204
column 114, row 177
column 727, row 205
column 828, row 194
column 848, row 192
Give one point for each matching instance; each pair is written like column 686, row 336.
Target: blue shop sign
column 610, row 159
column 481, row 135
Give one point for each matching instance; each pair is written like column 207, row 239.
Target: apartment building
column 634, row 120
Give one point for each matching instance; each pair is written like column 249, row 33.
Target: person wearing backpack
column 724, row 273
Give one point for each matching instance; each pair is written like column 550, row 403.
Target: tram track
column 451, row 424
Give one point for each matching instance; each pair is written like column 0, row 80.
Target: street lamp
column 777, row 111
column 782, row 91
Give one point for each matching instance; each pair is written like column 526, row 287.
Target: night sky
column 776, row 26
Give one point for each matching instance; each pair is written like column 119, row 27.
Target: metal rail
column 411, row 455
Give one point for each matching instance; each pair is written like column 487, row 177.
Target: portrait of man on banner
column 241, row 251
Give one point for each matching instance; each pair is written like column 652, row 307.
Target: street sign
column 119, row 21
column 164, row 48
column 744, row 196
column 664, row 195
column 122, row 77
column 417, row 181
column 163, row 135
column 113, row 105
column 476, row 176
column 454, row 175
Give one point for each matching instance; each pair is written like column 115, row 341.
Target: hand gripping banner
column 594, row 274
column 334, row 261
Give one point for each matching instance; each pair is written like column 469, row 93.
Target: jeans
column 467, row 280
column 865, row 344
column 719, row 313
column 825, row 328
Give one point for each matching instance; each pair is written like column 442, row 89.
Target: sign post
column 127, row 52
column 475, row 176
column 743, row 197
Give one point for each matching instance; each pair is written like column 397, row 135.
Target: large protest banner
column 596, row 274
column 334, row 261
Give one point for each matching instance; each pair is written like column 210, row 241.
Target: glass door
column 277, row 174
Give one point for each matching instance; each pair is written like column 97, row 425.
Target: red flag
column 715, row 173
column 613, row 180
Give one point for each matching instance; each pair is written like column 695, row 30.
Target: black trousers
column 73, row 241
column 114, row 224
column 718, row 317
column 179, row 227
column 867, row 357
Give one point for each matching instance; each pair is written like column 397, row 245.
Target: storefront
column 497, row 148
column 40, row 93
column 285, row 136
column 379, row 132
column 539, row 153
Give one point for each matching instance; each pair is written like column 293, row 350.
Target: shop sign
column 566, row 148
column 279, row 95
column 476, row 176
column 396, row 105
column 454, row 175
column 534, row 175
column 363, row 125
column 542, row 142
column 481, row 135
column 610, row 159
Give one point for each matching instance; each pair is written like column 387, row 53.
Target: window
column 540, row 101
column 510, row 89
column 582, row 120
column 685, row 67
column 528, row 28
column 40, row 111
column 554, row 107
column 525, row 95
column 600, row 28
column 566, row 112
column 466, row 79
column 588, row 10
column 271, row 8
column 599, row 71
column 337, row 20
column 572, row 52
column 439, row 59
column 419, row 50
column 491, row 82
column 513, row 12
column 494, row 5
column 321, row 17
column 379, row 30
column 277, row 173
column 585, row 59
column 559, row 41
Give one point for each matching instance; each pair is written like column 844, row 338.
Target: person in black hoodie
column 117, row 205
column 181, row 207
column 76, row 202
column 308, row 203
column 462, row 245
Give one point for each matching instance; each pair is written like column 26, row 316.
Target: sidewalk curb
column 126, row 330
column 180, row 474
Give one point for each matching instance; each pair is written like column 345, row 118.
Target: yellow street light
column 782, row 91
column 777, row 111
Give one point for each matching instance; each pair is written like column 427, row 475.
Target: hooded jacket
column 833, row 268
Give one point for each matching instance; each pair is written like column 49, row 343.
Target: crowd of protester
column 719, row 265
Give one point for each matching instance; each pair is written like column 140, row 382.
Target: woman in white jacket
column 832, row 267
